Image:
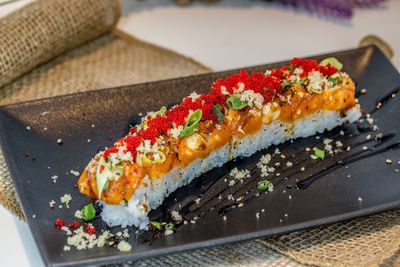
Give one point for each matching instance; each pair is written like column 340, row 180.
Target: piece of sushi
column 241, row 114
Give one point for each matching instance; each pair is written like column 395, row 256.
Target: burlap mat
column 115, row 59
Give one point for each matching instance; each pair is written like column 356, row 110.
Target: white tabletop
column 233, row 34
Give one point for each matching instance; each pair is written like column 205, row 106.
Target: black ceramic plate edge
column 10, row 161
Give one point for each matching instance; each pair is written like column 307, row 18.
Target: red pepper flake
column 90, row 229
column 59, row 223
column 73, row 225
column 102, row 167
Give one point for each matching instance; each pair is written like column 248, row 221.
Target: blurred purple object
column 334, row 8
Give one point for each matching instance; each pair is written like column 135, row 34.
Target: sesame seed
column 59, row 141
column 224, row 217
column 360, row 199
column 302, row 169
column 240, row 205
column 363, row 91
column 28, row 128
column 389, row 161
column 365, row 148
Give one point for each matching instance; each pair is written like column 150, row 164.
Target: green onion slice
column 161, row 112
column 264, row 185
column 319, row 153
column 192, row 123
column 169, row 226
column 148, row 161
column 102, row 175
column 333, row 80
column 217, row 111
column 156, row 224
column 235, row 103
column 88, row 212
column 333, row 62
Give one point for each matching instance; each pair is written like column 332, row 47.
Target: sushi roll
column 240, row 115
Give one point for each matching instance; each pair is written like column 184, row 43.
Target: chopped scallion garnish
column 264, row 185
column 334, row 81
column 169, row 226
column 319, row 153
column 192, row 123
column 156, row 224
column 88, row 212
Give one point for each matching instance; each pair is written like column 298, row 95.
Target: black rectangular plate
column 331, row 198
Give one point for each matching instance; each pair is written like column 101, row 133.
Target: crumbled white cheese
column 66, row 199
column 176, row 216
column 52, row 204
column 239, row 175
column 176, row 131
column 316, row 82
column 78, row 214
column 168, row 232
column 54, row 178
column 124, row 246
column 194, row 95
column 251, row 98
column 75, row 173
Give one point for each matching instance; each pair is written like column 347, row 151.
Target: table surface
column 232, row 34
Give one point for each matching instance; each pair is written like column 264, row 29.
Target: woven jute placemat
column 57, row 47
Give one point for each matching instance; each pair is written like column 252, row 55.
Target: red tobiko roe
column 108, row 151
column 132, row 142
column 160, row 123
column 267, row 85
column 327, row 70
column 73, row 225
column 307, row 65
column 90, row 229
column 59, row 223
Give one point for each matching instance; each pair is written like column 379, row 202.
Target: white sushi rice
column 152, row 192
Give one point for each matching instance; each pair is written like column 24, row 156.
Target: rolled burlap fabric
column 44, row 29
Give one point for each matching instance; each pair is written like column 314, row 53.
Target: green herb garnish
column 88, row 212
column 217, row 111
column 334, row 81
column 285, row 84
column 192, row 123
column 264, row 185
column 156, row 224
column 102, row 175
column 235, row 103
column 319, row 153
column 333, row 62
column 169, row 226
